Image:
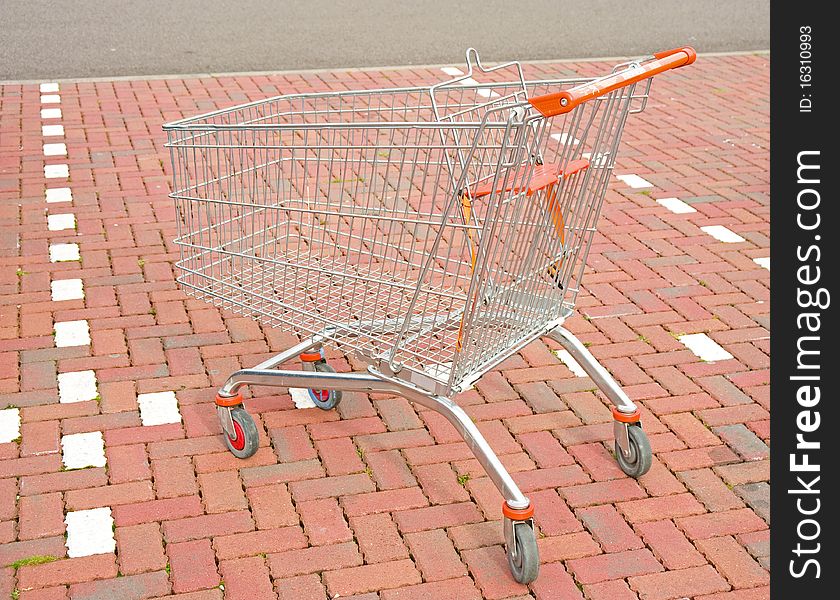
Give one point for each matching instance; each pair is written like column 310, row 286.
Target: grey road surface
column 58, row 39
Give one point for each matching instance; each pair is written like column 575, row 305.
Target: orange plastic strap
column 228, row 401
column 633, row 417
column 559, row 103
column 517, row 514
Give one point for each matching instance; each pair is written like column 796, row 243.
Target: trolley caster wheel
column 641, row 456
column 522, row 554
column 247, row 440
column 324, row 399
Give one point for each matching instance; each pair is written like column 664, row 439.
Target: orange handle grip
column 559, row 103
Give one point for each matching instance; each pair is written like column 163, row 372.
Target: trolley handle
column 558, row 103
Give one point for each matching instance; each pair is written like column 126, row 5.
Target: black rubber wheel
column 641, row 456
column 247, row 438
column 325, row 399
column 524, row 562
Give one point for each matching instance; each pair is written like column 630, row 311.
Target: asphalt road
column 58, row 39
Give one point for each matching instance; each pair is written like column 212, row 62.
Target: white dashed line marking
column 90, row 532
column 77, row 386
column 64, row 252
column 50, row 113
column 72, row 333
column 48, row 88
column 60, row 222
column 50, row 99
column 704, row 347
column 67, row 289
column 634, row 181
column 763, row 262
column 9, row 425
column 570, row 362
column 677, row 206
column 59, row 195
column 158, row 408
column 564, row 139
column 301, row 398
column 455, row 72
column 56, row 171
column 59, row 149
column 452, row 71
column 52, row 130
column 82, row 450
column 722, row 234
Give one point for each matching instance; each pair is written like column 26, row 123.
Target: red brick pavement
column 371, row 505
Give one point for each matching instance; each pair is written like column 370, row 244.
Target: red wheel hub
column 239, row 442
column 320, row 395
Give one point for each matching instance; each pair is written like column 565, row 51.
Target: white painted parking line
column 67, row 289
column 9, row 425
column 763, row 262
column 452, row 71
column 90, row 532
column 48, row 88
column 677, row 206
column 59, row 149
column 634, row 181
column 301, row 398
column 64, row 252
column 570, row 362
column 599, row 160
column 722, row 234
column 56, row 171
column 50, row 99
column 158, row 408
column 62, row 194
column 82, row 450
column 52, row 130
column 564, row 139
column 72, row 333
column 61, row 221
column 77, row 386
column 50, row 113
column 704, row 347
column 455, row 72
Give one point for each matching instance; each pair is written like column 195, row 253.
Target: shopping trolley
column 429, row 231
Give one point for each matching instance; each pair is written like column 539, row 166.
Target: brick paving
column 379, row 500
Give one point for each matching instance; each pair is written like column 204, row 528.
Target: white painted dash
column 90, row 532
column 634, row 181
column 62, row 194
column 82, row 450
column 677, row 206
column 763, row 262
column 48, row 88
column 9, row 425
column 722, row 234
column 452, row 71
column 56, row 171
column 61, row 221
column 564, row 139
column 50, row 99
column 301, row 398
column 59, row 149
column 67, row 289
column 50, row 113
column 158, row 408
column 704, row 347
column 570, row 362
column 77, row 386
column 72, row 333
column 64, row 252
column 52, row 130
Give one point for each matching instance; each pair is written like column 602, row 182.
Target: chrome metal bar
column 289, row 354
column 593, row 368
column 368, row 382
